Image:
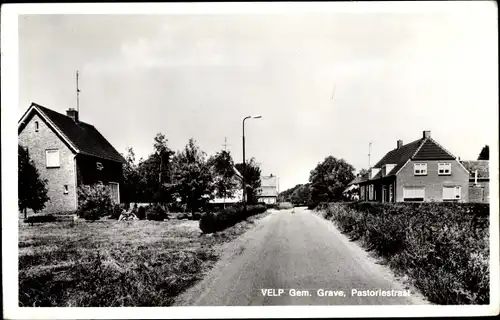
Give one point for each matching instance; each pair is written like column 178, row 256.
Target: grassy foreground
column 442, row 247
column 111, row 263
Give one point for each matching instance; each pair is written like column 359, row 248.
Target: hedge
column 443, row 247
column 213, row 222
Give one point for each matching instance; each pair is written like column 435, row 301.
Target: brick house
column 68, row 153
column 421, row 170
column 268, row 191
column 479, row 180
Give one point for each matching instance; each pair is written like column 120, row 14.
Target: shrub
column 156, row 212
column 213, row 222
column 442, row 246
column 116, row 211
column 94, row 202
column 140, row 212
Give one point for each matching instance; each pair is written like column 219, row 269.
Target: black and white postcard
column 229, row 160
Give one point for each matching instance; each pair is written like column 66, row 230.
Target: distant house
column 421, row 170
column 352, row 190
column 268, row 191
column 238, row 194
column 68, row 153
column 479, row 180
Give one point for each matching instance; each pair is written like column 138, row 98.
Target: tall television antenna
column 77, row 93
column 225, row 144
column 369, row 153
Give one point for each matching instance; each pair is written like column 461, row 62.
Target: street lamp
column 244, row 165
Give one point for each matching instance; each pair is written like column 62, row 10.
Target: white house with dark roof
column 268, row 191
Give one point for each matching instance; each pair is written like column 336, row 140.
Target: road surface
column 286, row 258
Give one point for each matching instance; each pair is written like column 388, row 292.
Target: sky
column 325, row 83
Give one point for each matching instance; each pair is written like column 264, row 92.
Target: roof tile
column 86, row 138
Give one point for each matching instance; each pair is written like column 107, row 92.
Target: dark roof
column 482, row 167
column 398, row 157
column 356, row 181
column 418, row 150
column 85, row 137
column 431, row 150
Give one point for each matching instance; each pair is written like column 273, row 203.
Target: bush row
column 443, row 247
column 213, row 222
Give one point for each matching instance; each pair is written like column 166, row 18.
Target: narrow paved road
column 295, row 251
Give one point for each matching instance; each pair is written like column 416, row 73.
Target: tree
column 362, row 172
column 329, row 179
column 225, row 182
column 485, row 153
column 156, row 172
column 32, row 191
column 301, row 195
column 132, row 188
column 251, row 174
column 193, row 177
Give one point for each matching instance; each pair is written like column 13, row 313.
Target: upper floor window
column 36, row 126
column 52, row 158
column 444, row 168
column 420, row 169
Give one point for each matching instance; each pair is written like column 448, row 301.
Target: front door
column 114, row 190
column 384, row 193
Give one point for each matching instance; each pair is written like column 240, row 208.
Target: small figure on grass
column 127, row 215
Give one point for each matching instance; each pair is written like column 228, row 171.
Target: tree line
column 184, row 180
column 327, row 182
column 187, row 179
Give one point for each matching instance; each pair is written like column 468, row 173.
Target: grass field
column 109, row 263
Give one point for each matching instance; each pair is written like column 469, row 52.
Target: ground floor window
column 452, row 193
column 413, row 193
column 391, row 193
column 371, row 193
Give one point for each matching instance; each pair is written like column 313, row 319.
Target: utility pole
column 77, row 94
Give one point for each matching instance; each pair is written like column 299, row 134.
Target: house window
column 413, row 193
column 391, row 193
column 65, row 189
column 36, row 126
column 370, row 192
column 452, row 193
column 362, row 192
column 52, row 158
column 99, row 166
column 420, row 169
column 444, row 169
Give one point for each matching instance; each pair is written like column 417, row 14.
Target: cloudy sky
column 391, row 75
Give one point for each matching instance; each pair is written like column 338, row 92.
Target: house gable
column 61, row 180
column 82, row 137
column 27, row 119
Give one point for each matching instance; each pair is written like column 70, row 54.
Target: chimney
column 400, row 144
column 73, row 114
column 427, row 134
